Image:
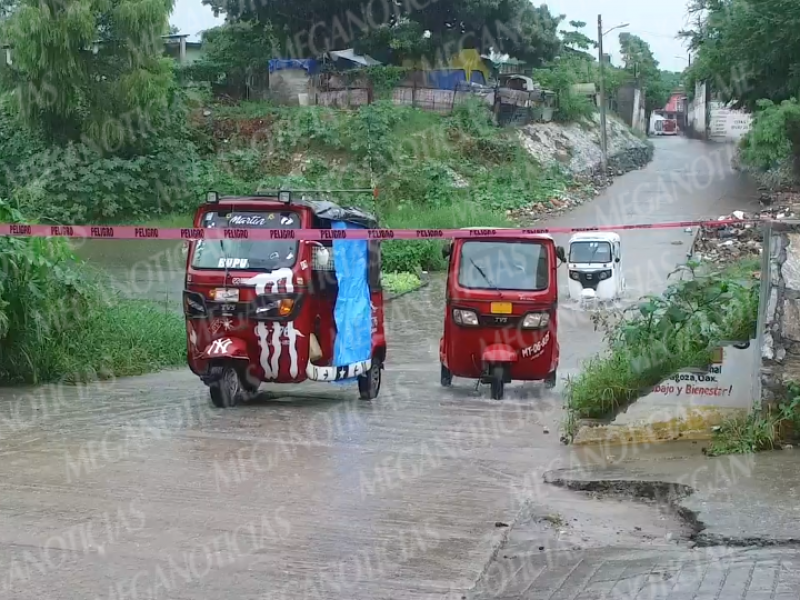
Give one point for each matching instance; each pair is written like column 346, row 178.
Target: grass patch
column 760, row 430
column 58, row 321
column 663, row 335
column 129, row 337
column 409, row 256
column 400, row 283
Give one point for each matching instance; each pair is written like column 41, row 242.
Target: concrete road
column 136, row 489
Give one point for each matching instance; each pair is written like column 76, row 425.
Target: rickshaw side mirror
column 446, row 249
column 616, row 260
column 562, row 256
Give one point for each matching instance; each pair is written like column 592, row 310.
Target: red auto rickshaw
column 501, row 321
column 283, row 310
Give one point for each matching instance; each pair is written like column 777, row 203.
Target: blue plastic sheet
column 353, row 313
column 445, row 79
column 279, row 64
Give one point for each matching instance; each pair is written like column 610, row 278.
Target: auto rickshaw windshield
column 231, row 254
column 590, row 252
column 516, row 265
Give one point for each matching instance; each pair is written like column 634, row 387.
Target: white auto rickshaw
column 595, row 271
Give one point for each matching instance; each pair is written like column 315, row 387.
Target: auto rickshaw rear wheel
column 369, row 384
column 551, row 380
column 447, row 377
column 498, row 382
column 227, row 389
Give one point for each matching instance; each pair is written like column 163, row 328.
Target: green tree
column 80, row 64
column 577, row 43
column 306, row 29
column 234, row 51
column 746, row 49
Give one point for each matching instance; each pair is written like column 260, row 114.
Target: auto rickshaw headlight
column 465, row 317
column 605, row 275
column 286, row 306
column 574, row 275
column 536, row 320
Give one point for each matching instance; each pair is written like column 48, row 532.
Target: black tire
column 551, row 380
column 498, row 383
column 447, row 377
column 742, row 345
column 227, row 390
column 369, row 385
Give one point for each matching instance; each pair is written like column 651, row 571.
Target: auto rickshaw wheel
column 498, row 382
column 447, row 377
column 551, row 380
column 226, row 391
column 369, row 385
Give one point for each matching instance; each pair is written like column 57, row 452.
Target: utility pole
column 603, row 132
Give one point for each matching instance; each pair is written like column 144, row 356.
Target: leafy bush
column 665, row 334
column 560, row 78
column 56, row 322
column 400, row 283
column 409, row 256
column 760, row 429
column 774, row 136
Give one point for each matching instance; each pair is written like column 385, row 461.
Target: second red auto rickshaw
column 501, row 318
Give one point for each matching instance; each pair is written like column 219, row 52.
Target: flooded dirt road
column 137, row 489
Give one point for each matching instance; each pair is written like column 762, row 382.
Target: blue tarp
column 353, row 313
column 307, row 64
column 445, row 79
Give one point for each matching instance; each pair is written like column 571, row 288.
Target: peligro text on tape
column 222, row 233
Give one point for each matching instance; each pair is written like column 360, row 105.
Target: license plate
column 501, row 308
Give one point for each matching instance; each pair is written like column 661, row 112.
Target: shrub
column 663, row 335
column 57, row 324
column 774, row 136
column 410, row 256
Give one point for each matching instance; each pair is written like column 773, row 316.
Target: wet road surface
column 137, row 489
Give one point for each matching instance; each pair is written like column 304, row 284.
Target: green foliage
column 774, row 136
column 761, row 429
column 577, row 43
column 560, row 77
column 746, row 49
column 400, row 283
column 69, row 93
column 58, row 323
column 404, row 256
column 515, row 27
column 392, row 43
column 664, row 334
column 233, row 52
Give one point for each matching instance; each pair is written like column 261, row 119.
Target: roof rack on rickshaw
column 327, row 210
column 212, row 197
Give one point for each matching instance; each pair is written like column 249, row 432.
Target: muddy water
column 139, row 269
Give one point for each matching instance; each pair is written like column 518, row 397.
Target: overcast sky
column 657, row 26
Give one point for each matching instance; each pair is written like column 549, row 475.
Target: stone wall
column 779, row 325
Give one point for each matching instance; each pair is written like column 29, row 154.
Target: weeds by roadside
column 400, row 283
column 58, row 322
column 663, row 335
column 761, row 429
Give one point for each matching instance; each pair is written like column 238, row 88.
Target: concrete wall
column 626, row 103
column 780, row 311
column 638, row 121
column 697, row 113
column 728, row 125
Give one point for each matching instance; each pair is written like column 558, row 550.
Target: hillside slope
column 432, row 171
